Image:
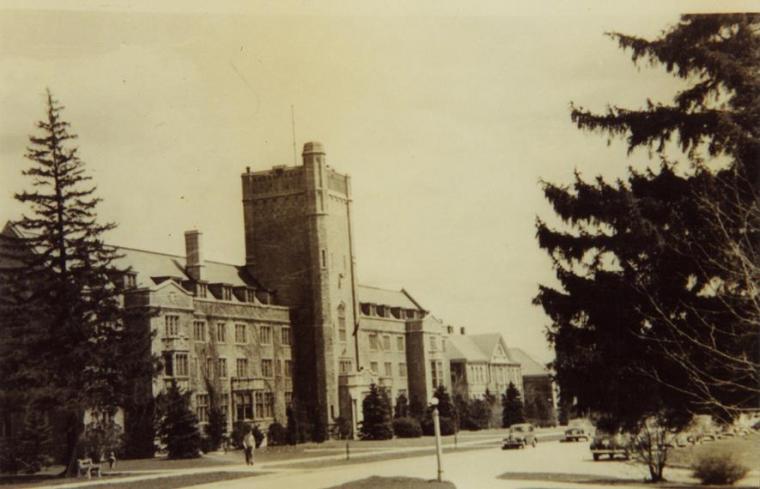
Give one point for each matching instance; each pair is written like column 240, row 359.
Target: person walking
column 249, row 443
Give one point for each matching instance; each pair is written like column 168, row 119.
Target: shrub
column 277, row 434
column 28, row 450
column 448, row 426
column 342, row 428
column 376, row 408
column 100, row 438
column 258, row 435
column 239, row 430
column 179, row 425
column 407, row 427
column 719, row 468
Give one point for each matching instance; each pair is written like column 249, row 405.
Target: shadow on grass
column 377, row 482
column 593, row 479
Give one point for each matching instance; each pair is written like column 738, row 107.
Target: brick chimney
column 193, row 256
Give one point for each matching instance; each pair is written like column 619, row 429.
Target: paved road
column 477, row 469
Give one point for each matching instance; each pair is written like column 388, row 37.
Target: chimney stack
column 193, row 257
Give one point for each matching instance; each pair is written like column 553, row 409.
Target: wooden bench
column 87, row 467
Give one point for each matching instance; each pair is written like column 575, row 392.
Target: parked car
column 576, row 433
column 520, row 436
column 610, row 444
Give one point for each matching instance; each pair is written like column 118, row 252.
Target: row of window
column 388, row 369
column 436, row 373
column 389, row 312
column 178, row 365
column 243, row 332
column 248, row 405
column 374, row 342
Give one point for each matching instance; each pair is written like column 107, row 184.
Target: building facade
column 291, row 323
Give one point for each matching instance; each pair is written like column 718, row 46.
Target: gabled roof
column 149, row 264
column 386, row 297
column 462, row 348
column 527, row 364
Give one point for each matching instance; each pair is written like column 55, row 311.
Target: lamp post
column 437, row 430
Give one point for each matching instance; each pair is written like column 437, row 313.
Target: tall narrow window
column 285, row 336
column 265, row 335
column 242, row 367
column 342, row 322
column 221, row 332
column 244, row 405
column 373, row 341
column 172, row 326
column 266, row 367
column 181, row 365
column 288, row 368
column 199, row 330
column 201, row 407
column 240, row 336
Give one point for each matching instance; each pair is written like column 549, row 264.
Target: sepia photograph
column 379, row 244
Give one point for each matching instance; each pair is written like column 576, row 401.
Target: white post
column 437, row 428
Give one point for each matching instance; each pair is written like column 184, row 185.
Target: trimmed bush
column 407, row 427
column 719, row 468
column 277, row 434
column 258, row 435
column 448, row 426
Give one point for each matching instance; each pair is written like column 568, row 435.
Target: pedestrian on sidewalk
column 249, row 443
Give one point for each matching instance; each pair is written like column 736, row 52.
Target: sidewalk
column 270, row 467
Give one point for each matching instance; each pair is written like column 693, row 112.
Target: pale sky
column 446, row 116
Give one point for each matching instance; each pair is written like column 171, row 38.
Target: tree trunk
column 73, row 439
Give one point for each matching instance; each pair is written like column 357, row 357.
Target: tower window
column 324, row 259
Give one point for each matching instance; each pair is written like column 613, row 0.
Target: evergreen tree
column 401, row 409
column 179, row 425
column 293, row 431
column 64, row 343
column 29, row 449
column 479, row 414
column 376, row 410
column 512, row 407
column 463, row 408
column 216, row 427
column 656, row 308
column 446, row 408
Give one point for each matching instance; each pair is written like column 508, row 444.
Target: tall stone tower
column 298, row 241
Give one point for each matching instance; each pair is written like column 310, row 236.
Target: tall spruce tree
column 650, row 316
column 65, row 348
column 376, row 411
column 512, row 407
column 178, row 427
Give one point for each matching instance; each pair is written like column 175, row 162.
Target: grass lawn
column 46, row 479
column 124, row 482
column 395, row 483
column 746, row 448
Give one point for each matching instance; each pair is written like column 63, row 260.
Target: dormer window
column 226, row 293
column 381, row 311
column 250, row 295
column 130, row 280
column 201, row 290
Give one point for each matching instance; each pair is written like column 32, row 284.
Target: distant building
column 481, row 363
column 539, row 396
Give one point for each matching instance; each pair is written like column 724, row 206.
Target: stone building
column 481, row 363
column 292, row 323
column 539, row 390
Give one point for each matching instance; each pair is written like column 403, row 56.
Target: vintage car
column 520, row 436
column 610, row 444
column 576, row 433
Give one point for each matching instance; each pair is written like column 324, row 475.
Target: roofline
column 414, row 301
